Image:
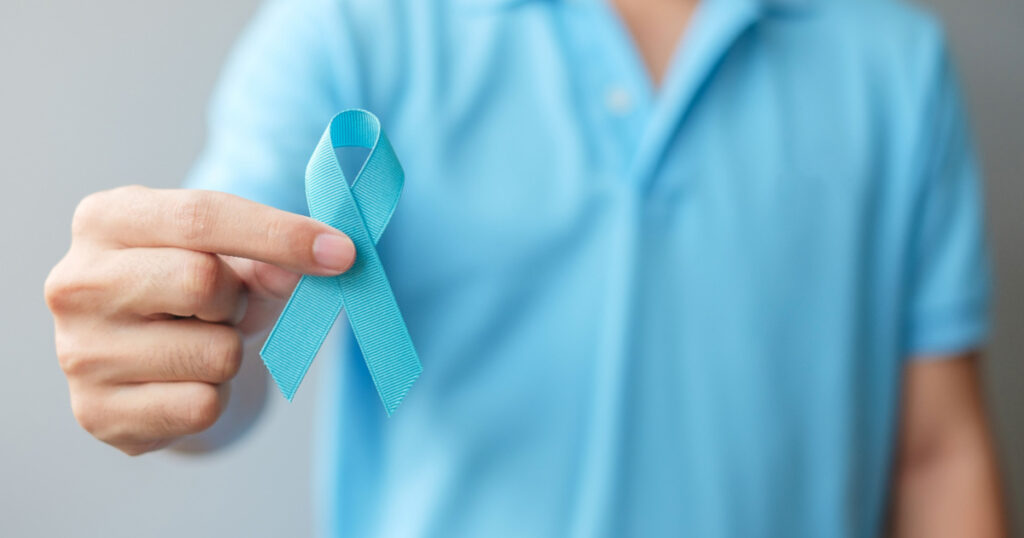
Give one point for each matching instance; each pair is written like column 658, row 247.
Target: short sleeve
column 949, row 280
column 275, row 96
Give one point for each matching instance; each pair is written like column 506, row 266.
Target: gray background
column 103, row 93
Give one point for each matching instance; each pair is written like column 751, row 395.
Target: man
column 672, row 269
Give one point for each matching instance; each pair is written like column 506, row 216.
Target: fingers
column 154, row 351
column 178, row 282
column 148, row 282
column 143, row 417
column 214, row 222
column 150, row 300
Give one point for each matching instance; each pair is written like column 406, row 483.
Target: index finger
column 221, row 223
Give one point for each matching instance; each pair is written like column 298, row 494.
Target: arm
column 946, row 481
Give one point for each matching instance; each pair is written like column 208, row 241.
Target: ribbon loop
column 361, row 212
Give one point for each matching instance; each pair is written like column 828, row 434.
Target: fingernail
column 334, row 252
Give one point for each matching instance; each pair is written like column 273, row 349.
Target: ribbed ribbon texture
column 361, row 212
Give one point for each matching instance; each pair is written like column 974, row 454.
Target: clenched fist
column 153, row 299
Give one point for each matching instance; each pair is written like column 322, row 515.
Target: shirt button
column 618, row 101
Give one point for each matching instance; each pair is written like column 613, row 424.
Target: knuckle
column 92, row 209
column 203, row 410
column 201, row 276
column 285, row 236
column 73, row 359
column 87, row 213
column 275, row 231
column 67, row 290
column 193, row 215
column 225, row 359
column 58, row 290
column 87, row 412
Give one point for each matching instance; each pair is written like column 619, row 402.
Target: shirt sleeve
column 275, row 96
column 949, row 278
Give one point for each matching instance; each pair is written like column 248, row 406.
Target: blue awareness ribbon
column 361, row 211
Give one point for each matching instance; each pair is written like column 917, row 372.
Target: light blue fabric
column 680, row 312
column 362, row 213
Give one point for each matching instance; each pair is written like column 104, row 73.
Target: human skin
column 946, row 480
column 156, row 295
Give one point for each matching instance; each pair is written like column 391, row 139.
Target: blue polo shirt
column 673, row 311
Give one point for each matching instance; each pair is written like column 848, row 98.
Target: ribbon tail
column 378, row 326
column 311, row 311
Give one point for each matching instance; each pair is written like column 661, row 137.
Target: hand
column 155, row 295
